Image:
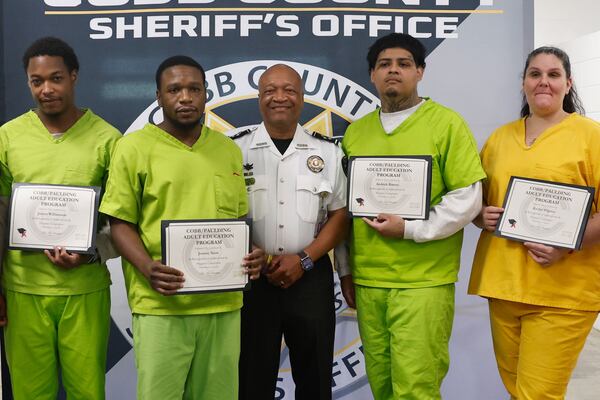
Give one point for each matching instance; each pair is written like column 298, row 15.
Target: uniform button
column 281, row 202
column 281, row 180
column 281, row 226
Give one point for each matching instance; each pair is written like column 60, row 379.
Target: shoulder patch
column 242, row 133
column 317, row 135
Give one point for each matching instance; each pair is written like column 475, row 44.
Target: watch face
column 305, row 261
column 307, row 264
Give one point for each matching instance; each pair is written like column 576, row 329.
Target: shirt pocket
column 311, row 194
column 227, row 196
column 81, row 177
column 258, row 198
column 563, row 173
column 88, row 171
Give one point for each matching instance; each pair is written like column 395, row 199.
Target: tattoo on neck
column 394, row 105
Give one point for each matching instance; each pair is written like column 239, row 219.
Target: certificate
column 44, row 216
column 208, row 252
column 545, row 212
column 393, row 185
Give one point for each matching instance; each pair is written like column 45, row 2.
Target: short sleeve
column 339, row 190
column 111, row 145
column 594, row 161
column 124, row 188
column 6, row 178
column 459, row 159
column 482, row 156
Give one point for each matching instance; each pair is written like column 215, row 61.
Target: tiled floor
column 585, row 382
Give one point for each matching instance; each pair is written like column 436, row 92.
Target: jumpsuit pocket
column 310, row 192
column 227, row 196
column 77, row 177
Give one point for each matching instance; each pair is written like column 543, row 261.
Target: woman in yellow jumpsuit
column 543, row 300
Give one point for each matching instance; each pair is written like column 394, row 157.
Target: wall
column 559, row 21
column 579, row 36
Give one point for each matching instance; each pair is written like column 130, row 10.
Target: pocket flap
column 313, row 184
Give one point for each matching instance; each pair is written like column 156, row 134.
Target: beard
column 183, row 125
column 52, row 110
column 186, row 125
column 391, row 93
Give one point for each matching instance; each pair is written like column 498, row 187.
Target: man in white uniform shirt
column 297, row 195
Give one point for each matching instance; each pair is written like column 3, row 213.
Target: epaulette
column 242, row 133
column 317, row 135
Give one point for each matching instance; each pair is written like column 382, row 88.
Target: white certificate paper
column 545, row 212
column 44, row 216
column 393, row 185
column 208, row 252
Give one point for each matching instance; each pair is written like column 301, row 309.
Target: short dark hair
column 51, row 46
column 177, row 60
column 397, row 40
column 571, row 102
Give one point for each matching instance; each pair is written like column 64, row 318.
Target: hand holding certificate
column 45, row 216
column 393, row 185
column 208, row 252
column 545, row 212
